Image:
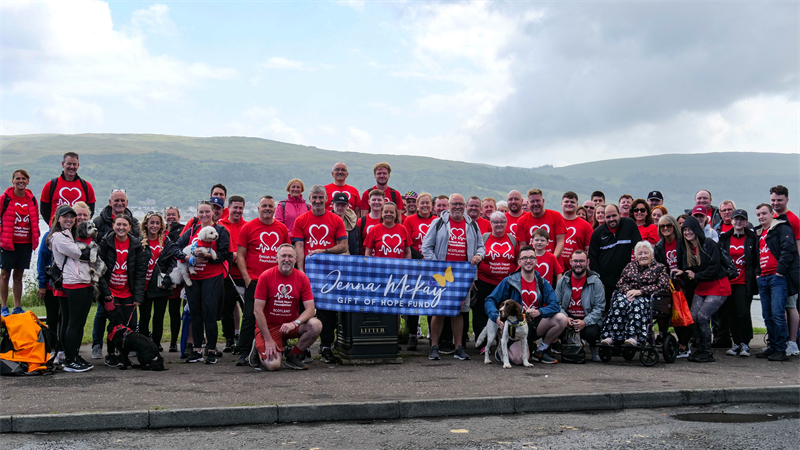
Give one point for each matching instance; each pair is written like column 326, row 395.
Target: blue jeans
column 773, row 292
column 99, row 326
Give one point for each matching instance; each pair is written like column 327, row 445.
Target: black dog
column 125, row 340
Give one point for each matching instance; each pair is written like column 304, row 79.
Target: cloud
column 260, row 122
column 11, row 127
column 155, row 20
column 279, row 62
column 359, row 140
column 64, row 114
column 357, row 5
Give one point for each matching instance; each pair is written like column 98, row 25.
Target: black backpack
column 728, row 264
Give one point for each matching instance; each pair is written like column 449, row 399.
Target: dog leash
column 127, row 325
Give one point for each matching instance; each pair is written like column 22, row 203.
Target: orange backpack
column 26, row 346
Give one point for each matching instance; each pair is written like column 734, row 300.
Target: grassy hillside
column 160, row 170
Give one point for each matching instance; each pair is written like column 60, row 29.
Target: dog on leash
column 515, row 329
column 199, row 248
column 97, row 267
column 126, row 340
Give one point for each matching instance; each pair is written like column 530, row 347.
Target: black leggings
column 479, row 316
column 53, row 311
column 175, row 313
column 736, row 313
column 204, row 297
column 74, row 310
column 248, row 319
column 159, row 306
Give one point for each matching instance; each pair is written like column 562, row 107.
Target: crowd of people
column 591, row 268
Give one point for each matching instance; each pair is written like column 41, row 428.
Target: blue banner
column 388, row 286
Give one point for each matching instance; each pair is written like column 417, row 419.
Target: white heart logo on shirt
column 318, row 234
column 513, row 229
column 369, row 228
column 457, row 234
column 122, row 252
column 535, row 295
column 574, row 232
column 75, row 195
column 546, row 269
column 263, row 248
column 577, row 289
column 284, row 291
column 737, row 247
column 393, row 248
column 347, row 193
column 535, row 227
column 423, row 232
column 672, row 256
column 21, row 205
column 499, row 249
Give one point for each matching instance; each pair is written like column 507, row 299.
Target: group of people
column 591, row 268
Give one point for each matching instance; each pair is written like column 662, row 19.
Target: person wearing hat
column 655, row 198
column 76, row 281
column 740, row 243
column 410, row 198
column 700, row 213
column 117, row 205
column 341, row 208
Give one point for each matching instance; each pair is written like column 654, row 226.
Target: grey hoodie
column 76, row 271
column 434, row 246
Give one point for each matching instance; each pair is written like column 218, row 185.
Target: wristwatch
column 296, row 323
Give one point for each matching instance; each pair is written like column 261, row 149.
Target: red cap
column 699, row 209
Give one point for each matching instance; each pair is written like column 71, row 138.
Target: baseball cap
column 410, row 194
column 740, row 213
column 656, row 195
column 699, row 209
column 65, row 209
column 340, row 197
column 217, row 201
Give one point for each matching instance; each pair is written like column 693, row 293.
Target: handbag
column 572, row 347
column 681, row 316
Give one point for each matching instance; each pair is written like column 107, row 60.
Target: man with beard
column 411, row 205
column 611, row 248
column 542, row 218
column 340, row 173
column 514, row 214
column 382, row 171
column 117, row 206
column 66, row 189
column 579, row 232
column 583, row 300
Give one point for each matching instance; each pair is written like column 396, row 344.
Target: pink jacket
column 9, row 216
column 287, row 211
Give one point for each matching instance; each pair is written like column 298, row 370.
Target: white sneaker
column 791, row 349
column 684, row 353
column 744, row 350
column 734, row 351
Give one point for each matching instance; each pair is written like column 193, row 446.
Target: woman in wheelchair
column 629, row 314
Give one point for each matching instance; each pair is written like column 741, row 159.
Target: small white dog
column 515, row 329
column 97, row 267
column 199, row 248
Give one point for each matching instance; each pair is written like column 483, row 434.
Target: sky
column 503, row 83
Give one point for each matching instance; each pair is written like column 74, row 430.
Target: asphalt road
column 639, row 429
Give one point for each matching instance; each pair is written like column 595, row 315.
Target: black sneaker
column 236, row 350
column 778, row 356
column 228, row 346
column 173, row 348
column 76, row 366
column 766, row 353
column 702, row 357
column 112, row 360
column 412, row 344
column 460, row 353
column 253, row 358
column 194, row 357
column 211, row 356
column 307, row 358
column 433, row 354
column 85, row 362
column 295, row 361
column 446, row 348
column 242, row 361
column 543, row 357
column 327, row 356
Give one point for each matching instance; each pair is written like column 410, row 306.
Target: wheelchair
column 661, row 310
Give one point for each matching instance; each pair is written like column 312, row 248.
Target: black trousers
column 156, row 306
column 479, row 316
column 175, row 314
column 248, row 331
column 591, row 334
column 53, row 311
column 736, row 313
column 74, row 310
column 229, row 306
column 330, row 320
column 204, row 297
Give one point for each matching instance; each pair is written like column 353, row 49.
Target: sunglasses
column 639, row 210
column 666, row 225
column 155, row 213
column 119, row 190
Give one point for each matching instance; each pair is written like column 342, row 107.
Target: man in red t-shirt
column 515, row 212
column 339, row 184
column 364, row 224
column 488, row 206
column 779, row 199
column 278, row 295
column 546, row 219
column 441, row 205
column 578, row 231
column 69, row 189
column 233, row 283
column 410, row 198
column 474, row 213
column 382, row 172
column 256, row 252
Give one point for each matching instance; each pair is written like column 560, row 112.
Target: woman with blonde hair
column 287, row 211
column 157, row 247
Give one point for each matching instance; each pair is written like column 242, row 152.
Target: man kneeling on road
column 583, row 299
column 539, row 302
column 277, row 302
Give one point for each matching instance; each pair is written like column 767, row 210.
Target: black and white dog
column 126, row 340
column 97, row 267
column 515, row 329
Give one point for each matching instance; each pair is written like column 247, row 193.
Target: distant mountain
column 158, row 170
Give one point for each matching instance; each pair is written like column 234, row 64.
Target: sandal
column 607, row 342
column 630, row 342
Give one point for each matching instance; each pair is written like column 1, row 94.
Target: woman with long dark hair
column 158, row 286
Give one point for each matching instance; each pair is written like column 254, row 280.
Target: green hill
column 158, row 170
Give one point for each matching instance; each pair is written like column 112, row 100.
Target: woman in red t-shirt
column 640, row 212
column 19, row 237
column 122, row 285
column 388, row 239
column 417, row 224
column 158, row 286
column 500, row 261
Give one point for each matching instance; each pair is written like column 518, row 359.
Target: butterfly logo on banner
column 442, row 279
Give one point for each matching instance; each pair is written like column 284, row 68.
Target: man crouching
column 277, row 303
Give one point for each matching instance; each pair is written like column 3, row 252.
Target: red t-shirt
column 737, row 254
column 155, row 252
column 724, row 228
column 457, row 242
column 369, row 223
column 484, row 225
column 66, row 193
column 318, row 232
column 500, row 260
column 353, row 196
column 511, row 224
column 22, row 220
column 769, row 265
column 261, row 243
column 794, row 221
column 387, row 242
column 283, row 295
column 398, row 199
column 417, row 228
column 233, row 230
column 548, row 267
column 205, row 270
column 649, row 233
column 577, row 237
column 550, row 221
column 671, row 249
column 721, row 287
column 119, row 285
column 575, row 308
column 530, row 294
